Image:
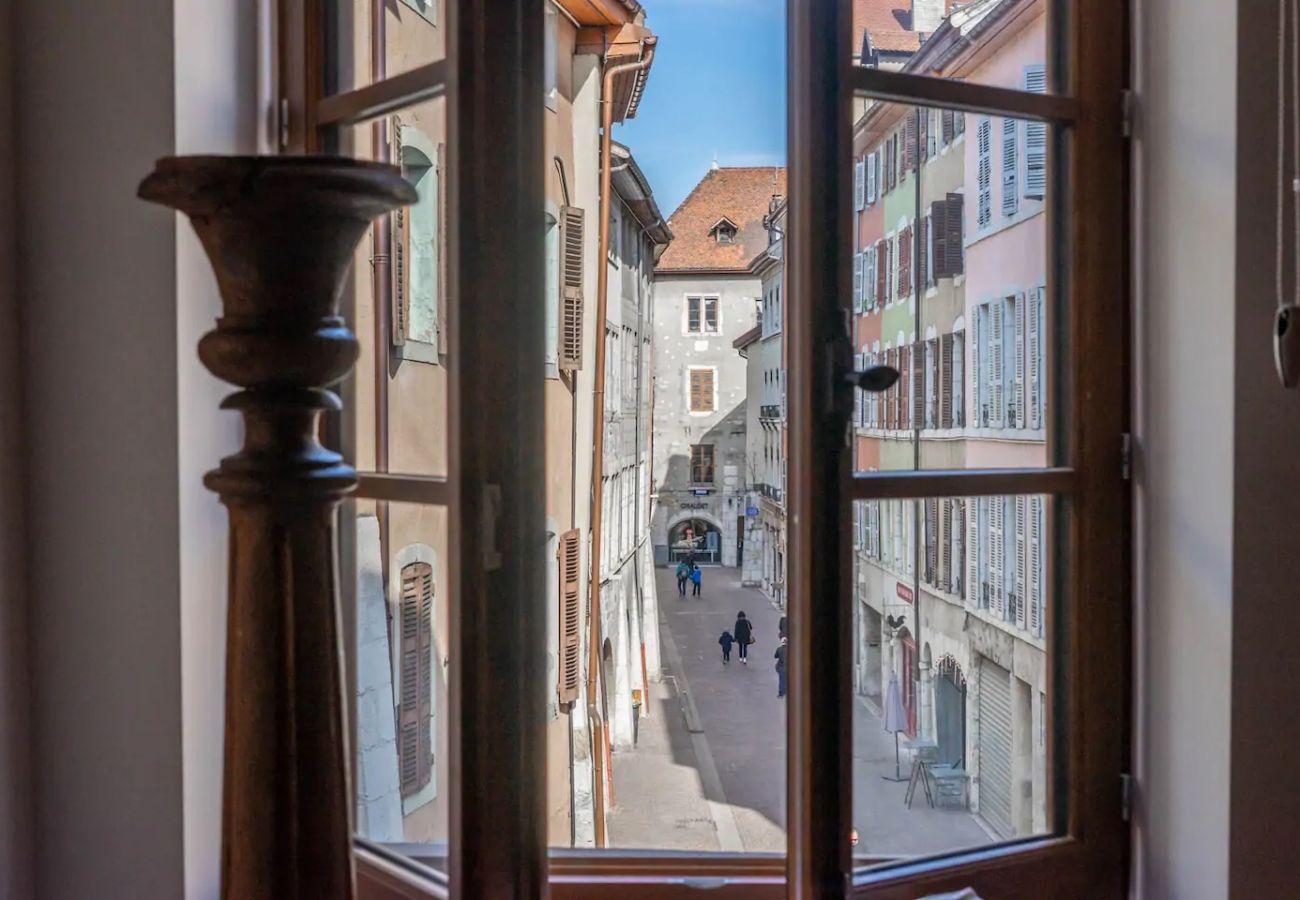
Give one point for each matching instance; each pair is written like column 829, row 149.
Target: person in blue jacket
column 697, row 579
column 726, row 640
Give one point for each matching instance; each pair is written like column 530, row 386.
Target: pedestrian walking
column 726, row 641
column 683, row 573
column 780, row 655
column 780, row 627
column 697, row 579
column 744, row 634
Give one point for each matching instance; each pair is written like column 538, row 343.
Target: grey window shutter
column 984, row 173
column 1036, row 138
column 399, row 251
column 858, row 264
column 1019, row 417
column 1010, row 167
column 572, row 231
column 947, row 345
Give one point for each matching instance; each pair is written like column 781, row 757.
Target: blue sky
column 717, row 87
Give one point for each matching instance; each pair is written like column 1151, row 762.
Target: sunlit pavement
column 719, row 782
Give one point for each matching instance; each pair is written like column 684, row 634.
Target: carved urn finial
column 280, row 233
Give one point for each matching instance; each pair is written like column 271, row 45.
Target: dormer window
column 724, row 231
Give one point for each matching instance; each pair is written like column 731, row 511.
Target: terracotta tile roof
column 741, row 195
column 890, row 23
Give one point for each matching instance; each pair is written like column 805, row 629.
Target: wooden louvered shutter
column 939, row 239
column 909, row 142
column 1036, row 138
column 701, row 390
column 923, row 136
column 1018, row 576
column 918, row 385
column 946, row 348
column 924, row 260
column 1010, row 168
column 570, row 559
column 891, row 161
column 944, row 575
column 415, row 747
column 954, row 211
column 882, row 272
column 975, row 545
column 399, row 251
column 572, row 231
column 946, row 126
column 859, row 184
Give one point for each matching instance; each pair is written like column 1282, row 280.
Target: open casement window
column 490, row 488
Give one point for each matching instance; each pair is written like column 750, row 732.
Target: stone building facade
column 706, row 296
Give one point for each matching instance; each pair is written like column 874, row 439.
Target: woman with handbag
column 743, row 632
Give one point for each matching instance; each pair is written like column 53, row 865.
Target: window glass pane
column 414, row 34
column 981, row 42
column 664, row 746
column 400, row 609
column 951, row 273
column 397, row 304
column 952, row 663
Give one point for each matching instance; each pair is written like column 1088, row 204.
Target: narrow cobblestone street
column 708, row 772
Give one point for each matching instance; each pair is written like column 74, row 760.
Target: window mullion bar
column 913, row 485
column 925, row 90
column 429, row 490
column 390, row 95
column 819, row 785
column 496, row 445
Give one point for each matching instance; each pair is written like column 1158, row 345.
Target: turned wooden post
column 280, row 233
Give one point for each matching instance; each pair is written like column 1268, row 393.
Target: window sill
column 417, row 351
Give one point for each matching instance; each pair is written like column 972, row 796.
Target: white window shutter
column 1036, row 567
column 984, row 174
column 958, row 379
column 1020, row 418
column 931, row 382
column 1021, row 561
column 1010, row 168
column 1036, row 138
column 872, row 164
column 857, row 279
column 1035, row 353
column 995, row 363
column 859, row 185
column 997, row 556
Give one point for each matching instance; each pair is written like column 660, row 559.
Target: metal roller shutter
column 995, row 747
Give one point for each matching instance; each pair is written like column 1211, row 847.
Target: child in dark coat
column 726, row 641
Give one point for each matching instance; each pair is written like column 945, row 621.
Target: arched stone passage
column 695, row 537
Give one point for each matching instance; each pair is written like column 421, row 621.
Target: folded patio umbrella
column 895, row 718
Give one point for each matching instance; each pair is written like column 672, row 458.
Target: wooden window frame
column 503, row 831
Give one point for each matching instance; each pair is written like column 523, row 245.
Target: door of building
column 950, row 715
